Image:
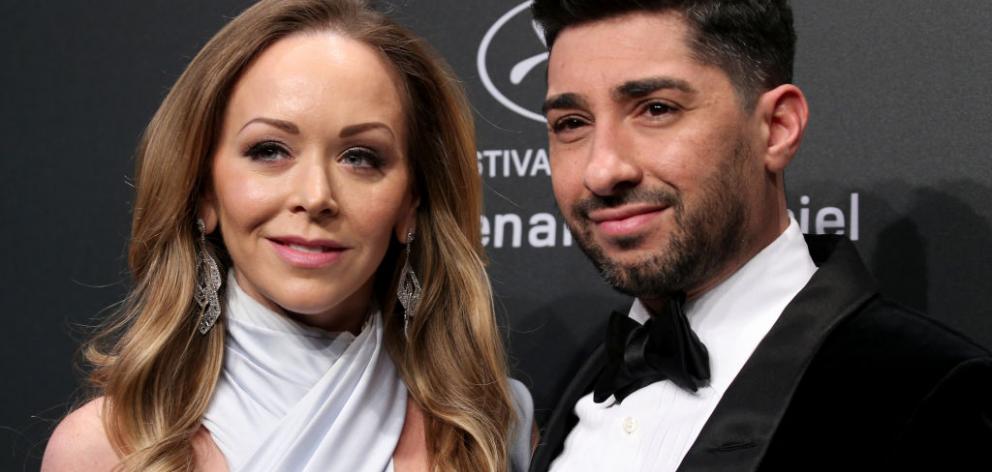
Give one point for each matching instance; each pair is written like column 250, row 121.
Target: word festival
column 513, row 162
column 545, row 230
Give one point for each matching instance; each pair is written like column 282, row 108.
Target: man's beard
column 704, row 239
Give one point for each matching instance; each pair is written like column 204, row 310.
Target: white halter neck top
column 295, row 398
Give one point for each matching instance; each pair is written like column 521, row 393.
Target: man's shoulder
column 890, row 331
column 886, row 357
column 879, row 329
column 885, row 379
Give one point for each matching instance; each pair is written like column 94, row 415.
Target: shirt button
column 629, row 425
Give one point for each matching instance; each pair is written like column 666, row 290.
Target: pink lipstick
column 307, row 253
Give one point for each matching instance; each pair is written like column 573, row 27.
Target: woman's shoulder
column 522, row 400
column 79, row 442
column 525, row 433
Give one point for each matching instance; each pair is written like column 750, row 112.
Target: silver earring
column 409, row 288
column 207, row 283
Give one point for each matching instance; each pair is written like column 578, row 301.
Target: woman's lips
column 627, row 220
column 307, row 254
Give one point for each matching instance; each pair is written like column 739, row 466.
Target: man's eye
column 361, row 157
column 658, row 109
column 266, row 151
column 568, row 123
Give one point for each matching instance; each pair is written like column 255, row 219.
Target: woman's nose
column 313, row 193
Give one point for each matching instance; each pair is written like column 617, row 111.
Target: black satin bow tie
column 662, row 348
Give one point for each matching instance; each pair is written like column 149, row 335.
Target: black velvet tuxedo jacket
column 844, row 380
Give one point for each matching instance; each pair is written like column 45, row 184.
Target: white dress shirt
column 655, row 426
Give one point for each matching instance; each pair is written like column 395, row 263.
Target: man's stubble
column 705, row 237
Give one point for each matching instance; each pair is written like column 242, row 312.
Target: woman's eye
column 267, row 151
column 361, row 157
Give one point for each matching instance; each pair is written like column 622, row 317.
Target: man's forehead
column 626, row 55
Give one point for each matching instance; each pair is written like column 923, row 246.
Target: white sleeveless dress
column 295, row 398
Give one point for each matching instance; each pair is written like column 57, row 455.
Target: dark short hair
column 752, row 41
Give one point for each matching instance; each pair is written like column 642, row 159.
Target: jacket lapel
column 741, row 427
column 563, row 417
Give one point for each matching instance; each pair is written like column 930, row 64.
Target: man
column 748, row 347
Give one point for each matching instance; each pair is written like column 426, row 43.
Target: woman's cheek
column 252, row 200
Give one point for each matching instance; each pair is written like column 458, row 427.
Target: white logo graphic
column 519, row 71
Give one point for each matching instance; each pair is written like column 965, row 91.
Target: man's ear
column 784, row 112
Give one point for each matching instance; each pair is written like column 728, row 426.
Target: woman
column 325, row 156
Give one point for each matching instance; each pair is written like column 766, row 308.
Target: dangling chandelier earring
column 207, row 283
column 409, row 288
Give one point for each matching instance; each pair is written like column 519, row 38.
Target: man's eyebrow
column 643, row 87
column 565, row 100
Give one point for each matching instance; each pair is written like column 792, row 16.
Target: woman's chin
column 329, row 316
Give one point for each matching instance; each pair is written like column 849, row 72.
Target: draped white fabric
column 294, row 398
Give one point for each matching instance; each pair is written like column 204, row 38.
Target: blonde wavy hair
column 157, row 373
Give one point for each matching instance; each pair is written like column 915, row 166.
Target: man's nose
column 610, row 167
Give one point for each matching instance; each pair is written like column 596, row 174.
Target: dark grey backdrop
column 896, row 157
